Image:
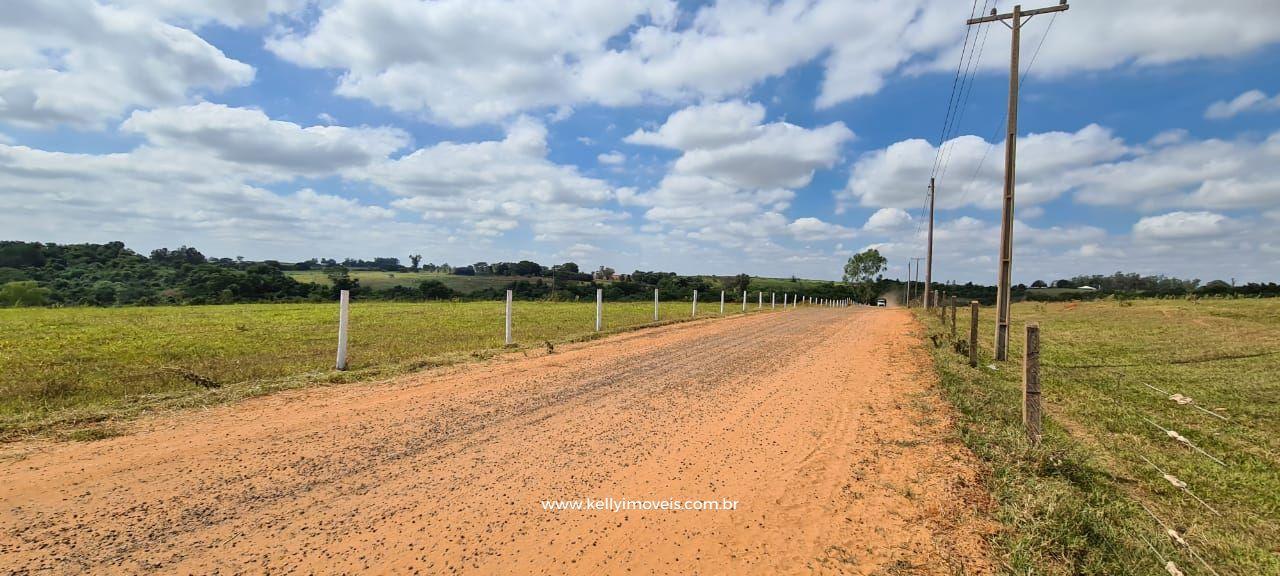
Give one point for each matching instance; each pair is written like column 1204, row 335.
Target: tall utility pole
column 908, row 283
column 1017, row 18
column 928, row 263
column 913, row 276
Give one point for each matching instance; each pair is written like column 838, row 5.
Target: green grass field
column 379, row 280
column 1075, row 504
column 784, row 285
column 1057, row 291
column 79, row 365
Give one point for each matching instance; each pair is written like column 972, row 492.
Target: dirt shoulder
column 824, row 426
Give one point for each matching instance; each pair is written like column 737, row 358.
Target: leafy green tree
column 862, row 271
column 414, row 260
column 435, row 290
column 23, row 293
column 864, row 266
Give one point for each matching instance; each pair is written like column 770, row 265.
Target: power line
column 946, row 146
column 995, row 132
column 951, row 100
column 966, row 93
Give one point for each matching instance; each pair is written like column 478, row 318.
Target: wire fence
column 1168, row 415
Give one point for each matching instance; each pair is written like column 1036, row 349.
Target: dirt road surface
column 823, row 425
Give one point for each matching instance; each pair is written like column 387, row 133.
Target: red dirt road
column 822, row 424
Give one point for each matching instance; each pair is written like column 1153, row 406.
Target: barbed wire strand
column 1180, row 539
column 1179, row 484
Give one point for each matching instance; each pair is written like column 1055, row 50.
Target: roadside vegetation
column 1086, row 500
column 36, row 274
column 65, row 367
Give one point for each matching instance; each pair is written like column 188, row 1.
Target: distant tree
column 435, row 290
column 21, row 254
column 464, row 271
column 1039, row 284
column 414, row 259
column 341, row 279
column 23, row 293
column 178, row 256
column 740, row 283
column 1063, row 284
column 864, row 266
column 526, row 268
column 862, row 270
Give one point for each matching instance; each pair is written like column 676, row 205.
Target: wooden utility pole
column 908, row 283
column 1017, row 18
column 928, row 263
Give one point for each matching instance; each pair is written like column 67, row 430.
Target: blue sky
column 773, row 138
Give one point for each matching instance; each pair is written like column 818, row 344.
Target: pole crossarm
column 1009, row 15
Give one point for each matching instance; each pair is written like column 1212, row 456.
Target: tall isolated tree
column 414, row 260
column 862, row 271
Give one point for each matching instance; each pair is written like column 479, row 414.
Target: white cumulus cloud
column 81, row 63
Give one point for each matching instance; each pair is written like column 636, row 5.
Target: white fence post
column 655, row 304
column 508, row 317
column 694, row 314
column 722, row 302
column 760, row 305
column 599, row 306
column 744, row 300
column 344, row 300
column 773, row 300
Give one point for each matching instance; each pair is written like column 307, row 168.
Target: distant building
column 1089, row 288
column 604, row 273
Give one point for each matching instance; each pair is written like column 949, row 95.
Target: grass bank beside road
column 76, row 366
column 1087, row 500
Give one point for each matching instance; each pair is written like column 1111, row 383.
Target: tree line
column 110, row 274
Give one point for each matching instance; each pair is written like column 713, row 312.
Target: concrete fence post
column 695, row 304
column 1031, row 384
column 344, row 304
column 973, row 333
column 507, row 340
column 760, row 306
column 722, row 302
column 655, row 304
column 599, row 307
column 773, row 300
column 744, row 300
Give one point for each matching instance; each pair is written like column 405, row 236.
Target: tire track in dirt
column 805, row 417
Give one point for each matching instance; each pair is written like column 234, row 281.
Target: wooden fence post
column 953, row 318
column 1031, row 384
column 344, row 301
column 508, row 324
column 599, row 307
column 973, row 333
column 694, row 314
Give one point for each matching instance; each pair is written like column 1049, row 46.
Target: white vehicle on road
column 882, row 302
